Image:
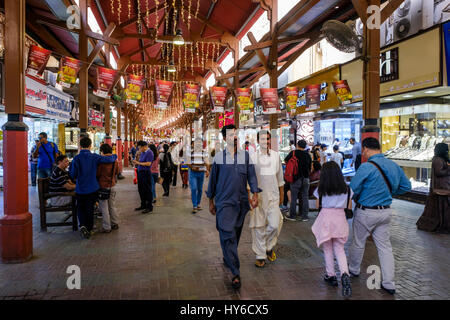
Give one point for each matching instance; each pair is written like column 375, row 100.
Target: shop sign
column 68, row 71
column 133, row 91
column 191, row 93
column 35, row 95
column 244, row 100
column 343, row 92
column 163, row 93
column 446, row 29
column 389, row 65
column 291, row 97
column 58, row 105
column 37, row 60
column 269, row 99
column 218, row 97
column 105, row 80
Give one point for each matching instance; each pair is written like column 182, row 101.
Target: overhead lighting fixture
column 178, row 40
column 408, row 96
column 388, row 99
column 430, row 91
column 330, row 110
column 171, row 67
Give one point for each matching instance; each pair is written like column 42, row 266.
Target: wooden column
column 125, row 144
column 83, row 73
column 16, row 230
column 107, row 108
column 235, row 86
column 272, row 62
column 371, row 81
column 119, row 140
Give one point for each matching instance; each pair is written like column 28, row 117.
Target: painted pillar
column 371, row 82
column 107, row 109
column 119, row 140
column 125, row 149
column 16, row 230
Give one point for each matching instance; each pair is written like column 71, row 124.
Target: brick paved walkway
column 172, row 254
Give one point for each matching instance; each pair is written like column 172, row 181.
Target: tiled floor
column 172, row 254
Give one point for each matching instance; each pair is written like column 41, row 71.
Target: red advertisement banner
column 228, row 119
column 312, row 97
column 269, row 99
column 105, row 80
column 291, row 97
column 218, row 97
column 343, row 92
column 37, row 60
column 133, row 91
column 191, row 93
column 163, row 93
column 244, row 100
column 68, row 71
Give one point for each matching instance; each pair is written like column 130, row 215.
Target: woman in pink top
column 331, row 226
column 154, row 169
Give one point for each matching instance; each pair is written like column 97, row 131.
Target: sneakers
column 194, row 210
column 199, row 208
column 114, row 226
column 304, row 219
column 288, row 217
column 353, row 275
column 147, row 211
column 346, row 288
column 85, row 233
column 284, row 208
column 139, row 209
column 332, row 281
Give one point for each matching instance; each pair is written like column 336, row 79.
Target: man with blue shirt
column 83, row 170
column 229, row 199
column 144, row 177
column 46, row 153
column 374, row 184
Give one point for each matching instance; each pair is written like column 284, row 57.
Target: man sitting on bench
column 60, row 182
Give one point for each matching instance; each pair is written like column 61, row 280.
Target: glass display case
column 409, row 135
column 72, row 136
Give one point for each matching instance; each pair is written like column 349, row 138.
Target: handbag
column 348, row 212
column 105, row 193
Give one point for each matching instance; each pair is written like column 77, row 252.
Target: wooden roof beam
column 259, row 52
column 389, row 9
column 361, row 9
column 306, row 5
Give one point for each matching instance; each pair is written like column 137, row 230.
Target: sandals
column 260, row 263
column 236, row 282
column 271, row 255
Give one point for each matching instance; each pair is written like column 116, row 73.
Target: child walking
column 331, row 227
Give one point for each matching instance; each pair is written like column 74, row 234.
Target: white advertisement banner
column 58, row 105
column 35, row 94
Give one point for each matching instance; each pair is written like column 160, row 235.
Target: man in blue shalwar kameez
column 229, row 199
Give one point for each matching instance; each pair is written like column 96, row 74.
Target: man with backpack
column 166, row 168
column 46, row 153
column 298, row 168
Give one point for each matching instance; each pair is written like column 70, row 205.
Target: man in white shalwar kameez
column 266, row 219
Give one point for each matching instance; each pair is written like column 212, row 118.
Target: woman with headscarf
column 436, row 215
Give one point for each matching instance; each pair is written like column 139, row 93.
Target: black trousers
column 285, row 190
column 85, row 209
column 357, row 162
column 167, row 176
column 145, row 189
column 175, row 172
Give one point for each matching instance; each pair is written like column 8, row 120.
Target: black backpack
column 167, row 163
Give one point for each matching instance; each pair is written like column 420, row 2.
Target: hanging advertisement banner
column 244, row 100
column 291, row 97
column 218, row 96
column 191, row 93
column 163, row 93
column 95, row 118
column 312, row 96
column 105, row 80
column 342, row 92
column 226, row 119
column 269, row 99
column 35, row 96
column 68, row 71
column 37, row 60
column 133, row 91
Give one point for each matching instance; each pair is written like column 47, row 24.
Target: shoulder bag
column 52, row 162
column 384, row 176
column 105, row 193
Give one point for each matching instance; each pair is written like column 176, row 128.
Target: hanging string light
column 198, row 7
column 166, row 10
column 174, row 17
column 189, row 14
column 147, row 14
column 139, row 12
column 192, row 58
column 182, row 12
column 129, row 9
column 207, row 51
column 112, row 6
column 203, row 54
column 119, row 11
column 185, row 57
column 197, row 53
column 156, row 19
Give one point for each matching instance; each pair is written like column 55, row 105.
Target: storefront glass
column 409, row 135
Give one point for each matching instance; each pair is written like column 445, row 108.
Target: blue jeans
column 44, row 173
column 196, row 183
column 33, row 171
column 154, row 179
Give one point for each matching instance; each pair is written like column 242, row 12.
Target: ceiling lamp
column 178, row 39
column 171, row 67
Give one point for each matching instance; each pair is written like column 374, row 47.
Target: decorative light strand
column 156, row 19
column 139, row 12
column 198, row 7
column 112, row 6
column 189, row 14
column 119, row 11
column 129, row 9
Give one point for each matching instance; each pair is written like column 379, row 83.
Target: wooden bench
column 44, row 195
